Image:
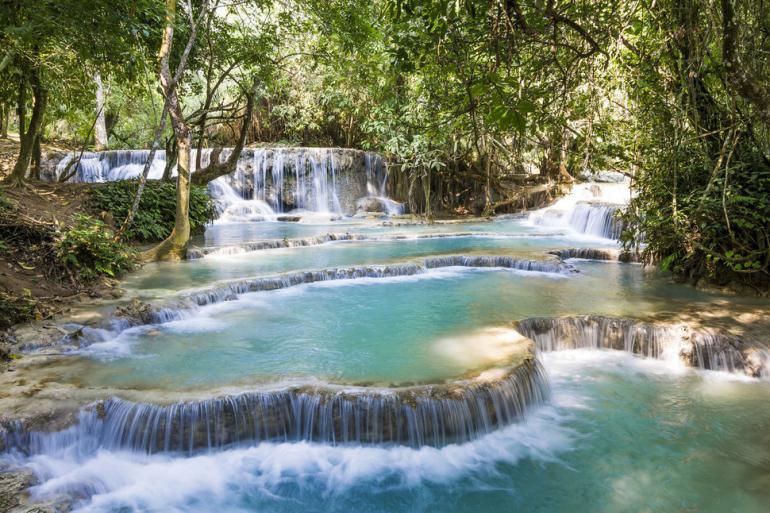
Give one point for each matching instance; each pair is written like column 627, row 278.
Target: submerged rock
column 13, row 488
column 137, row 312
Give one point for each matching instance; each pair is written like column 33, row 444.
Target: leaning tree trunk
column 169, row 88
column 175, row 245
column 28, row 138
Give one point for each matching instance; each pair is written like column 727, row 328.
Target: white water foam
column 587, row 212
column 228, row 480
column 115, row 480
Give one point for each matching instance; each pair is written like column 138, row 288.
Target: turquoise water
column 380, row 331
column 233, row 233
column 175, row 276
column 619, row 435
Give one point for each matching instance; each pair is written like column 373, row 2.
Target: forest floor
column 32, row 286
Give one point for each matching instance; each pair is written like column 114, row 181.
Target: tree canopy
column 465, row 98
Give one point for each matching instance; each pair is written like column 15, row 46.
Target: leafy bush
column 88, row 250
column 155, row 218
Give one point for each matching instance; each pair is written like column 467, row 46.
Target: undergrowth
column 154, row 219
column 87, row 251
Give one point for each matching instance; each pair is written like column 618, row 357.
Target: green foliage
column 87, row 250
column 460, row 96
column 155, row 218
column 700, row 141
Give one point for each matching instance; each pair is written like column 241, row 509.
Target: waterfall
column 335, row 196
column 718, row 351
column 588, row 218
column 329, row 180
column 277, row 176
column 259, row 171
column 615, row 255
column 109, row 166
column 299, row 173
column 416, row 416
column 590, row 209
column 598, row 332
column 376, row 188
column 195, row 253
column 498, row 261
column 320, row 184
column 598, row 220
column 702, row 349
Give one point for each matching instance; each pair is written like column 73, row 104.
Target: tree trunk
column 170, row 158
column 37, row 157
column 174, row 246
column 426, row 191
column 21, row 106
column 4, row 119
column 563, row 173
column 100, row 129
column 170, row 101
column 28, row 138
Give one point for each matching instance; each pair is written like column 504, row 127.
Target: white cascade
column 590, row 209
column 266, row 181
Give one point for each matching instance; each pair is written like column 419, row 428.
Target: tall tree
column 49, row 43
column 100, row 126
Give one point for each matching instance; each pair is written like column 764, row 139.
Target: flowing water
column 619, row 434
column 356, row 365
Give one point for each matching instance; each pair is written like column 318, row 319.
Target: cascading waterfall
column 265, row 181
column 320, row 184
column 277, row 176
column 599, row 332
column 109, row 166
column 588, row 218
column 614, row 255
column 114, row 165
column 376, row 187
column 299, row 195
column 498, row 261
column 703, row 349
column 259, row 170
column 720, row 352
column 432, row 415
column 286, row 179
column 590, row 209
column 596, row 219
column 335, row 198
